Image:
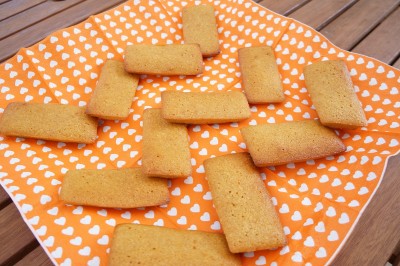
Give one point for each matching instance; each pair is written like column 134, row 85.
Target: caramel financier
column 276, row 144
column 114, row 92
column 113, row 188
column 243, row 205
column 166, row 150
column 170, row 59
column 260, row 75
column 332, row 93
column 200, row 26
column 57, row 122
column 204, row 108
column 134, row 244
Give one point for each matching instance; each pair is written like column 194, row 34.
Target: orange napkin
column 318, row 201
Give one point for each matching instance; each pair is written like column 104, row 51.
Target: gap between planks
column 4, row 198
column 4, row 1
column 353, row 25
column 36, row 257
column 16, row 238
column 378, row 228
column 283, row 7
column 383, row 42
column 31, row 16
column 10, row 8
column 319, row 13
column 397, row 63
column 75, row 14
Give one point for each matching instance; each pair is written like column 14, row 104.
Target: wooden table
column 369, row 27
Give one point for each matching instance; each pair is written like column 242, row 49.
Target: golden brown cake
column 204, row 108
column 56, row 122
column 244, row 207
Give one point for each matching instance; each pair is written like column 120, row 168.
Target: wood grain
column 397, row 63
column 283, row 7
column 396, row 253
column 396, row 261
column 377, row 233
column 319, row 13
column 40, row 30
column 4, row 198
column 16, row 238
column 35, row 258
column 349, row 28
column 383, row 43
column 13, row 7
column 32, row 15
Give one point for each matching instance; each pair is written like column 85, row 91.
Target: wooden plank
column 35, row 258
column 16, row 237
column 396, row 254
column 377, row 233
column 396, row 262
column 383, row 42
column 318, row 13
column 283, row 7
column 349, row 28
column 40, row 30
column 13, row 7
column 33, row 15
column 4, row 198
column 4, row 1
column 397, row 63
column 397, row 250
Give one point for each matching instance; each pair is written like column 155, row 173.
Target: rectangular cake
column 170, row 59
column 203, row 107
column 113, row 188
column 57, row 122
column 145, row 245
column 243, row 205
column 275, row 144
column 261, row 79
column 114, row 92
column 165, row 150
column 332, row 93
column 200, row 26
